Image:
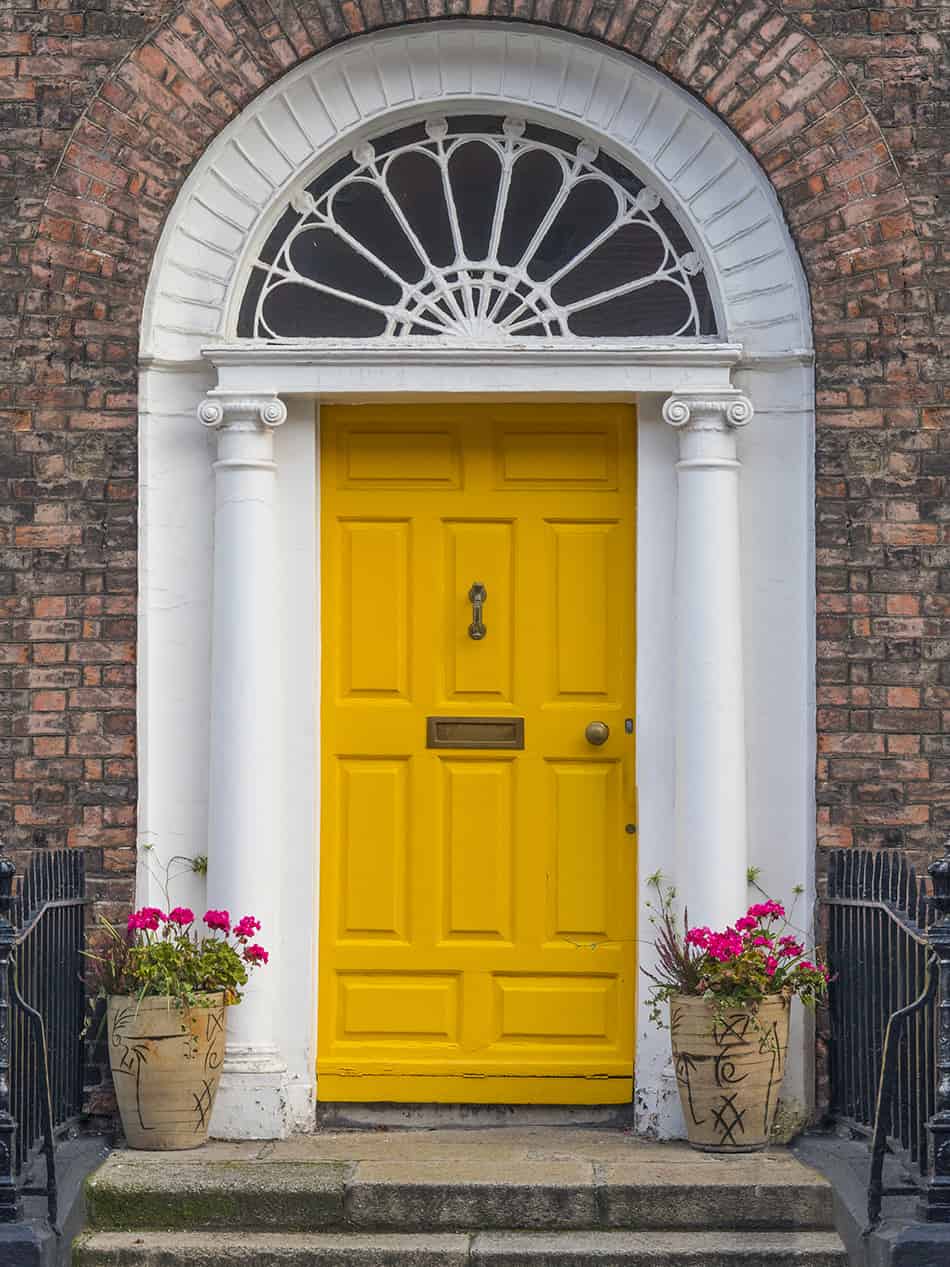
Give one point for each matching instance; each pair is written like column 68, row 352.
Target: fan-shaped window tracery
column 481, row 228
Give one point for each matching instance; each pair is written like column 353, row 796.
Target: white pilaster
column 243, row 817
column 711, row 836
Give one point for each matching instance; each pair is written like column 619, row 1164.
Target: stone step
column 446, row 1249
column 409, row 1190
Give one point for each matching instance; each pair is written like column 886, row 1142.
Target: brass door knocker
column 477, row 596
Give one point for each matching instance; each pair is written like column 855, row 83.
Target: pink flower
column 725, row 946
column 808, row 965
column 246, row 927
column 256, row 954
column 767, row 910
column 745, row 923
column 790, row 948
column 770, row 965
column 181, row 915
column 698, row 937
column 761, row 940
column 147, row 919
column 218, row 919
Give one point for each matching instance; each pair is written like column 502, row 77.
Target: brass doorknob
column 596, row 732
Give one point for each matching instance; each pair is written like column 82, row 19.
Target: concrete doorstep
column 503, row 1197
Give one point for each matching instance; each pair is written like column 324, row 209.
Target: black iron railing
column 41, row 1015
column 889, row 951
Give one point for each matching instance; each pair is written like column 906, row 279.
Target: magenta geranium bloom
column 767, row 910
column 747, row 962
column 189, row 961
column 218, row 919
column 147, row 919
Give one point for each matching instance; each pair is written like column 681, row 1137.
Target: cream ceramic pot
column 166, row 1065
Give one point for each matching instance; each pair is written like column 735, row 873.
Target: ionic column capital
column 720, row 411
column 241, row 412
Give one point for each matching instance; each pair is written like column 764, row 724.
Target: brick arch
column 773, row 85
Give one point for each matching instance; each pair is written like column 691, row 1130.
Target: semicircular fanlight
column 482, row 228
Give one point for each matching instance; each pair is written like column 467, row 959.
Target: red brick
column 49, row 701
column 47, row 538
column 903, row 697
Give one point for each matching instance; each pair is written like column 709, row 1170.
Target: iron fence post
column 10, row 1203
column 935, row 1206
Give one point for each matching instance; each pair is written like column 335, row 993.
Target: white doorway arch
column 323, row 108
column 740, row 605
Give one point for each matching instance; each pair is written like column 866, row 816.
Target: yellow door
column 477, row 921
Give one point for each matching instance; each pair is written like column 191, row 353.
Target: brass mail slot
column 474, row 732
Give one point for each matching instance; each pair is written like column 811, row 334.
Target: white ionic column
column 243, row 813
column 711, row 844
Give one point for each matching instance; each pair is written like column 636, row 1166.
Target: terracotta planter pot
column 166, row 1065
column 729, row 1071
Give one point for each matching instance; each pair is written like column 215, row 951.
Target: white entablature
column 323, row 109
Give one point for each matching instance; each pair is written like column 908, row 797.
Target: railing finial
column 7, row 872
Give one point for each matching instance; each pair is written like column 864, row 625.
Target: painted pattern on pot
column 166, row 1064
column 729, row 1070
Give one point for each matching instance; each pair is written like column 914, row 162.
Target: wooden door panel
column 576, row 1010
column 477, row 927
column 536, row 452
column 372, row 831
column 580, row 576
column 387, row 1007
column 374, row 634
column 479, row 672
column 478, row 844
column 584, row 797
column 401, row 455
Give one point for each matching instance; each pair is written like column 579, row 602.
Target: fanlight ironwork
column 481, row 228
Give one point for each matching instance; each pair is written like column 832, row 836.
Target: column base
column 252, row 1100
column 656, row 1106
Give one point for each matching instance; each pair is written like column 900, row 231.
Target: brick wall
column 103, row 109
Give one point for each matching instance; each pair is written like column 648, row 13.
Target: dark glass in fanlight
column 362, row 210
column 418, row 187
column 416, row 183
column 588, row 210
column 301, row 313
column 535, row 180
column 633, row 251
column 659, row 309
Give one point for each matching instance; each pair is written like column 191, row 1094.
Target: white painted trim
column 327, row 105
column 360, row 369
column 315, row 355
column 425, row 351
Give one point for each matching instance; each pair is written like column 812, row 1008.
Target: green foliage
column 167, row 956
